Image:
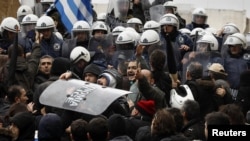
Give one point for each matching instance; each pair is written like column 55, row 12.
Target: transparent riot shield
column 118, row 8
column 117, row 14
column 156, row 12
column 148, row 49
column 204, row 58
column 146, row 4
column 30, row 3
column 103, row 48
column 28, row 31
column 248, row 41
column 123, row 53
column 246, row 55
column 80, row 96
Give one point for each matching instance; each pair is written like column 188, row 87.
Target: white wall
column 219, row 11
column 219, row 4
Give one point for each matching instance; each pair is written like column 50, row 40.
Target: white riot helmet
column 171, row 5
column 81, row 26
column 211, row 30
column 125, row 37
column 30, row 19
column 236, row 39
column 185, row 31
column 149, row 37
column 169, row 19
column 22, row 11
column 200, row 32
column 180, row 95
column 117, row 30
column 28, row 23
column 46, row 4
column 136, row 24
column 45, row 22
column 134, row 21
column 152, row 25
column 58, row 35
column 10, row 24
column 99, row 25
column 209, row 42
column 230, row 28
column 101, row 17
column 125, row 41
column 47, row 1
column 199, row 12
column 134, row 34
column 79, row 53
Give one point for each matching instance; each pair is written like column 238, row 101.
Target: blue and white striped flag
column 72, row 11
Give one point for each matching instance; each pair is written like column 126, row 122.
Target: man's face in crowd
column 45, row 65
column 90, row 77
column 200, row 19
column 46, row 33
column 131, row 70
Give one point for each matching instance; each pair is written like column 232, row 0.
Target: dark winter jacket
column 152, row 93
column 194, row 129
column 38, row 106
column 122, row 138
column 134, row 123
column 204, row 94
column 39, row 79
column 5, row 134
column 25, row 70
column 243, row 99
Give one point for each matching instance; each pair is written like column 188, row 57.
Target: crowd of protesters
column 181, row 77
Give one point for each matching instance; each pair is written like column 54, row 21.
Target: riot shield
column 80, row 96
column 248, row 40
column 117, row 14
column 156, row 12
column 118, row 8
column 146, row 4
column 204, row 58
column 103, row 48
column 246, row 55
column 28, row 30
column 152, row 8
column 123, row 53
column 148, row 49
column 30, row 3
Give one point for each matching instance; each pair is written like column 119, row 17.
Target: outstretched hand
column 139, row 50
column 39, row 37
column 67, row 75
column 138, row 74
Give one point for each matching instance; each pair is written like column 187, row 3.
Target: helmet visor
column 28, row 27
column 202, row 47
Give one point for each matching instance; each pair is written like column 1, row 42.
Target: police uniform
column 52, row 47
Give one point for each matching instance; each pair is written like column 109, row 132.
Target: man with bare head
column 147, row 89
column 44, row 68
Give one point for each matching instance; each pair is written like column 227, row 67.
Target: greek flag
column 72, row 11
